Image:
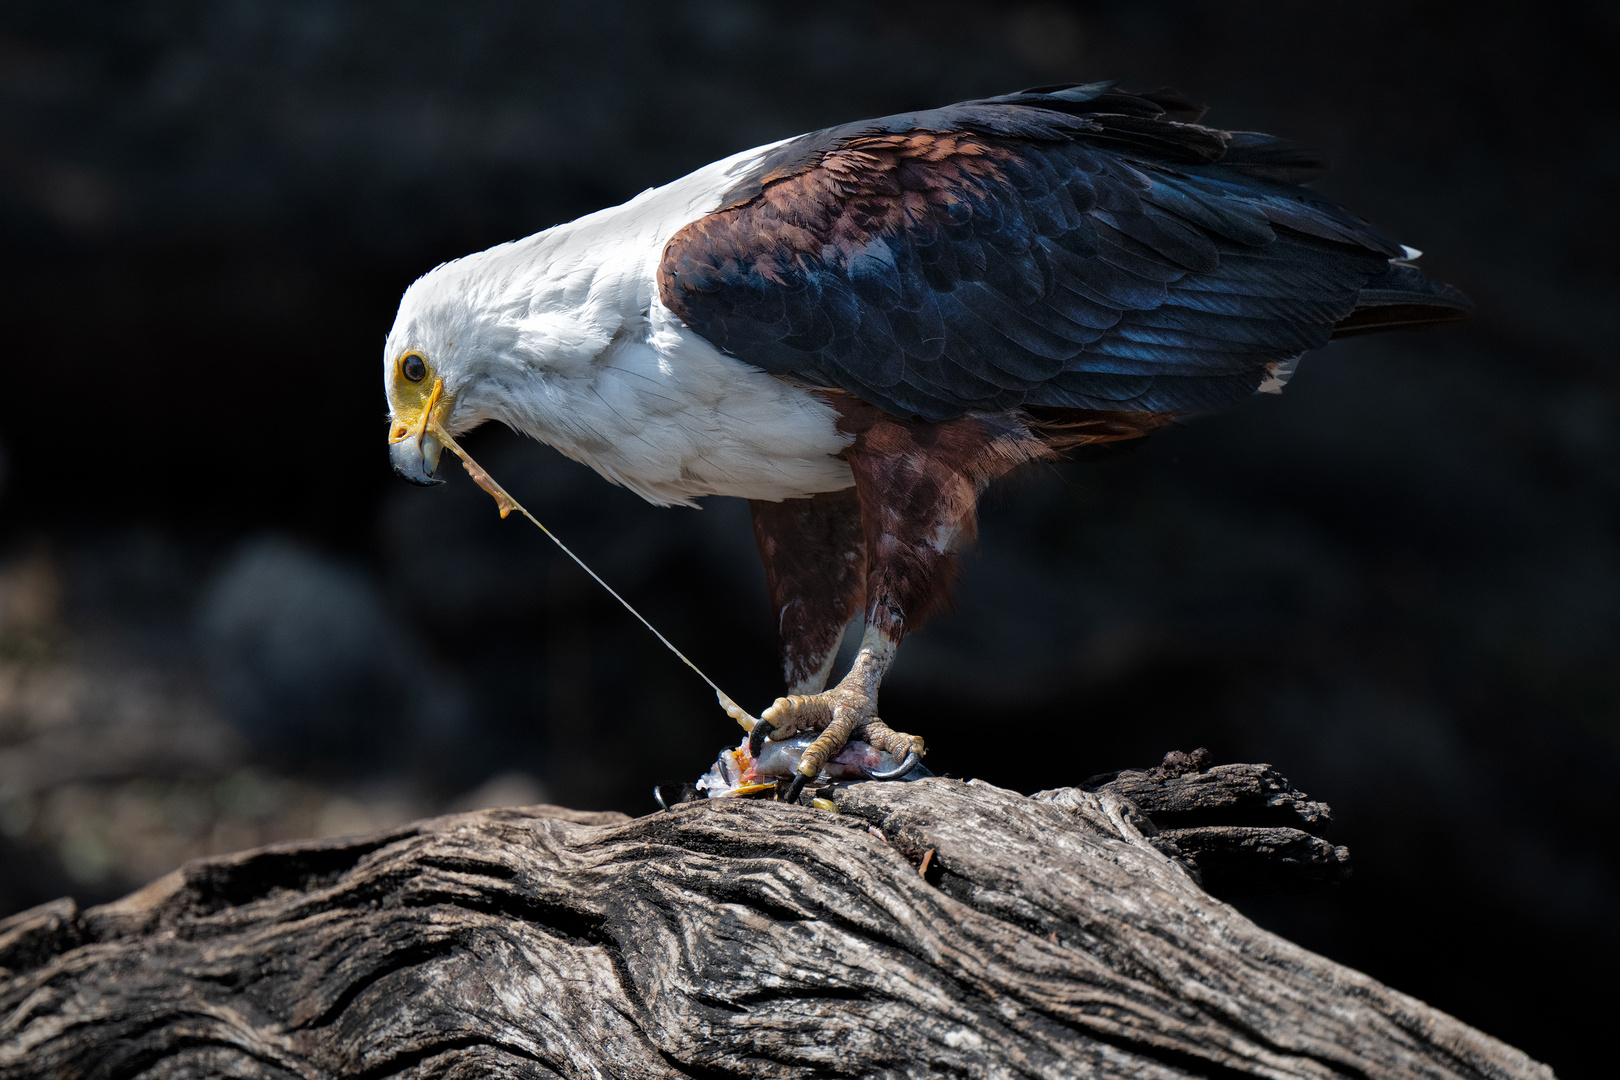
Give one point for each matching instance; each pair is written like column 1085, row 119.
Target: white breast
column 672, row 418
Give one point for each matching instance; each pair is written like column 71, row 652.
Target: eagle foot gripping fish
column 775, row 773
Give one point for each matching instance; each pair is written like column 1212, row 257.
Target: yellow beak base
column 412, row 450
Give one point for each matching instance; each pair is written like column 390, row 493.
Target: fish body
column 737, row 772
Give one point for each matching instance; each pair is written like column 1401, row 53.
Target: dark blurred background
column 224, row 622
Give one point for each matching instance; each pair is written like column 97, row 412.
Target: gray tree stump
column 936, row 928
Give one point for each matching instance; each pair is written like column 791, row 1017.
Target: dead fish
column 737, row 772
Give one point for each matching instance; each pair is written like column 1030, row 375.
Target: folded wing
column 1070, row 247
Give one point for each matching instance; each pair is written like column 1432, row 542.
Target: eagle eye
column 413, row 367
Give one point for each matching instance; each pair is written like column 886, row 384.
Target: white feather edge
column 1278, row 372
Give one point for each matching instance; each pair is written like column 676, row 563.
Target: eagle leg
column 841, row 712
column 815, row 571
column 917, row 487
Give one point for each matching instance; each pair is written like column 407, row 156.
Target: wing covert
column 1071, row 247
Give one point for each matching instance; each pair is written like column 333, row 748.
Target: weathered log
column 1235, row 828
column 926, row 929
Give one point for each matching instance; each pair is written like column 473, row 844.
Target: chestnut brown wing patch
column 1074, row 247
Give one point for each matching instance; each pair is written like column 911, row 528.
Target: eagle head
column 447, row 345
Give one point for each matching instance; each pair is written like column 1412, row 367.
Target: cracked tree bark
column 926, row 929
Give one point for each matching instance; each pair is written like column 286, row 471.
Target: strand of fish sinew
column 506, row 504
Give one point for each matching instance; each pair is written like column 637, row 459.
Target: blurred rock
column 505, row 789
column 113, row 772
column 305, row 657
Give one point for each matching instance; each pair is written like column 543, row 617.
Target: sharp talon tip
column 658, row 797
column 756, row 738
column 796, row 787
column 912, row 760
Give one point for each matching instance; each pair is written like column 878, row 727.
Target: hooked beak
column 412, row 447
column 416, row 460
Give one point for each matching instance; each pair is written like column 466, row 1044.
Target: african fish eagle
column 858, row 329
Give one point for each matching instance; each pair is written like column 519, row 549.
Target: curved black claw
column 799, row 780
column 912, row 760
column 682, row 793
column 756, row 738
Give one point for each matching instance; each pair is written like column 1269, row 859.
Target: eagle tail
column 1402, row 298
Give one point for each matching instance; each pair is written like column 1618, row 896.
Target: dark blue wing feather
column 1070, row 247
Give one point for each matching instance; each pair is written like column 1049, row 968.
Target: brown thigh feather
column 815, row 573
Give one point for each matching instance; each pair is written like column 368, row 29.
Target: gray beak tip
column 416, row 462
column 419, row 479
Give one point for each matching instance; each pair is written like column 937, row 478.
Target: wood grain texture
column 1048, row 937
